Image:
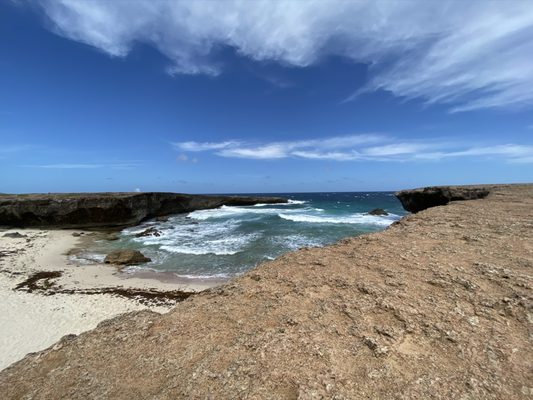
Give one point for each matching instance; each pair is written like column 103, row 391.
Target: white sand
column 31, row 322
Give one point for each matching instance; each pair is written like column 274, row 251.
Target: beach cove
column 448, row 287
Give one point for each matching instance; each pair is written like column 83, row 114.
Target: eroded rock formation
column 416, row 200
column 97, row 210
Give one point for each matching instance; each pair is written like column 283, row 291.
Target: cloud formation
column 125, row 165
column 366, row 147
column 468, row 54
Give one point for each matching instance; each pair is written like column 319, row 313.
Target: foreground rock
column 437, row 306
column 126, row 257
column 416, row 200
column 96, row 210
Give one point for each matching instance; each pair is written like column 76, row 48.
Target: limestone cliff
column 416, row 200
column 97, row 210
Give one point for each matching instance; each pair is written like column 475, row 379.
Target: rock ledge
column 416, row 200
column 99, row 210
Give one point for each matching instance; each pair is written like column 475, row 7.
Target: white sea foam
column 291, row 201
column 363, row 219
column 230, row 212
column 227, row 246
column 198, row 251
column 88, row 258
column 295, row 242
column 212, row 276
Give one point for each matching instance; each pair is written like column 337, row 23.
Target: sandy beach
column 77, row 300
column 436, row 306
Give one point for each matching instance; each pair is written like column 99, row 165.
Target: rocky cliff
column 437, row 306
column 416, row 200
column 97, row 210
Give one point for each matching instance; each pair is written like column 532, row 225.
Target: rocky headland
column 104, row 210
column 439, row 306
column 415, row 200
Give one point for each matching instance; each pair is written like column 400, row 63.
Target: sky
column 264, row 96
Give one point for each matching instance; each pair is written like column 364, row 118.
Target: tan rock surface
column 437, row 306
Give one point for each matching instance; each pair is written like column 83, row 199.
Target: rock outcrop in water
column 97, row 210
column 416, row 200
column 437, row 306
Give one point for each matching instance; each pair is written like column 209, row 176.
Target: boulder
column 378, row 211
column 126, row 257
column 14, row 235
column 149, row 232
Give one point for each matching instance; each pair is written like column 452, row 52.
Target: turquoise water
column 227, row 241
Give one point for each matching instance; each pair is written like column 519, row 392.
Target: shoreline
column 438, row 305
column 46, row 296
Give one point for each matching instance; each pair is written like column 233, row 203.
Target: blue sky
column 223, row 97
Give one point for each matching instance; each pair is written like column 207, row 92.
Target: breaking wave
column 359, row 218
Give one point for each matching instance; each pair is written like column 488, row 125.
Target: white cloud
column 395, row 149
column 68, row 166
column 365, row 147
column 269, row 151
column 199, row 146
column 469, row 54
column 185, row 158
column 84, row 166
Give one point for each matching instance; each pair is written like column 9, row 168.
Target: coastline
column 438, row 305
column 33, row 318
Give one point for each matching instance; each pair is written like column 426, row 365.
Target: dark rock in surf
column 378, row 211
column 149, row 232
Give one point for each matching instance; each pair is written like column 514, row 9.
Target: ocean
column 228, row 241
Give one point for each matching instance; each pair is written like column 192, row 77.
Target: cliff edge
column 415, row 200
column 437, row 306
column 98, row 210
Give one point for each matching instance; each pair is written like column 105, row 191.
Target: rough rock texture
column 416, row 200
column 93, row 210
column 438, row 306
column 126, row 257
